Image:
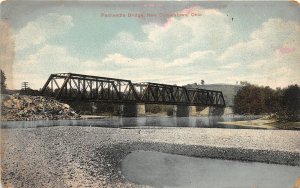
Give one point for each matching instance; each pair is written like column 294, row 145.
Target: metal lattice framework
column 69, row 86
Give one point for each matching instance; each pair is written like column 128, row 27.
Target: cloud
column 50, row 58
column 177, row 37
column 182, row 50
column 270, row 56
column 199, row 57
column 178, row 71
column 40, row 30
column 36, row 67
column 275, row 34
column 231, row 66
column 7, row 52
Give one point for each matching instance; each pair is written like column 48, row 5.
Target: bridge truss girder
column 69, row 86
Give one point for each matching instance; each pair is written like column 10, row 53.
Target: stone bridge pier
column 138, row 110
column 132, row 110
column 184, row 111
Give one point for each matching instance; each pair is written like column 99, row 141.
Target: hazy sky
column 219, row 42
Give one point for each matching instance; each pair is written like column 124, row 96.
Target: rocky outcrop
column 22, row 107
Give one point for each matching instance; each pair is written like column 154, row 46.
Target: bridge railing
column 70, row 86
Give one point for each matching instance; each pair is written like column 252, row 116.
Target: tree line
column 257, row 100
column 3, row 80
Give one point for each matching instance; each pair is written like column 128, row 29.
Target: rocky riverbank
column 91, row 156
column 26, row 108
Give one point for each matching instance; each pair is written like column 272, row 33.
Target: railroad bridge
column 131, row 96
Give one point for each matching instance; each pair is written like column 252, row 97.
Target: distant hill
column 12, row 91
column 229, row 91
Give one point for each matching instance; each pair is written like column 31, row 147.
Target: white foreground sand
column 66, row 156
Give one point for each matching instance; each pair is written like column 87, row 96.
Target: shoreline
column 265, row 124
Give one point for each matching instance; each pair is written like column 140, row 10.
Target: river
column 129, row 122
column 166, row 170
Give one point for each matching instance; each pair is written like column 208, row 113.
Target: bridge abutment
column 132, row 110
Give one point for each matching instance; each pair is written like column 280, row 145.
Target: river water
column 167, row 170
column 125, row 122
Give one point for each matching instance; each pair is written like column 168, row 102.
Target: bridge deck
column 70, row 86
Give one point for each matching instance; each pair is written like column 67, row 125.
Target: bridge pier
column 132, row 110
column 184, row 111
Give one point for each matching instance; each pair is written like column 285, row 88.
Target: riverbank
column 66, row 156
column 30, row 108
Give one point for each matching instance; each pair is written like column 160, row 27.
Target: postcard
column 150, row 93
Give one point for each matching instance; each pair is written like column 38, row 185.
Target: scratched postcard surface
column 150, row 93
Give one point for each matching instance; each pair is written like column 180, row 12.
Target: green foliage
column 290, row 103
column 3, row 84
column 251, row 99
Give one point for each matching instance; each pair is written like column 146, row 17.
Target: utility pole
column 25, row 86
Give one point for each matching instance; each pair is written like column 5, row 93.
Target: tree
column 272, row 100
column 244, row 83
column 249, row 100
column 202, row 82
column 285, row 103
column 268, row 96
column 3, row 84
column 290, row 103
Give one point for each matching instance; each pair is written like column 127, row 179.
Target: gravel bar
column 65, row 156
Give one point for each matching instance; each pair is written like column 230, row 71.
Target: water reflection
column 209, row 122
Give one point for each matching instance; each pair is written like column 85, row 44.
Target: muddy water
column 166, row 170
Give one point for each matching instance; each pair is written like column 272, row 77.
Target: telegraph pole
column 25, row 86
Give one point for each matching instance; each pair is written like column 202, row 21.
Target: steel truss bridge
column 70, row 87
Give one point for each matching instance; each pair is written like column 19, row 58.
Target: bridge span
column 72, row 87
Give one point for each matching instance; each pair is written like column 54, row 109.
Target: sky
column 164, row 42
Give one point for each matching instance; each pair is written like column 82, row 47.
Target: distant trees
column 290, row 103
column 248, row 100
column 3, row 82
column 251, row 99
column 244, row 83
